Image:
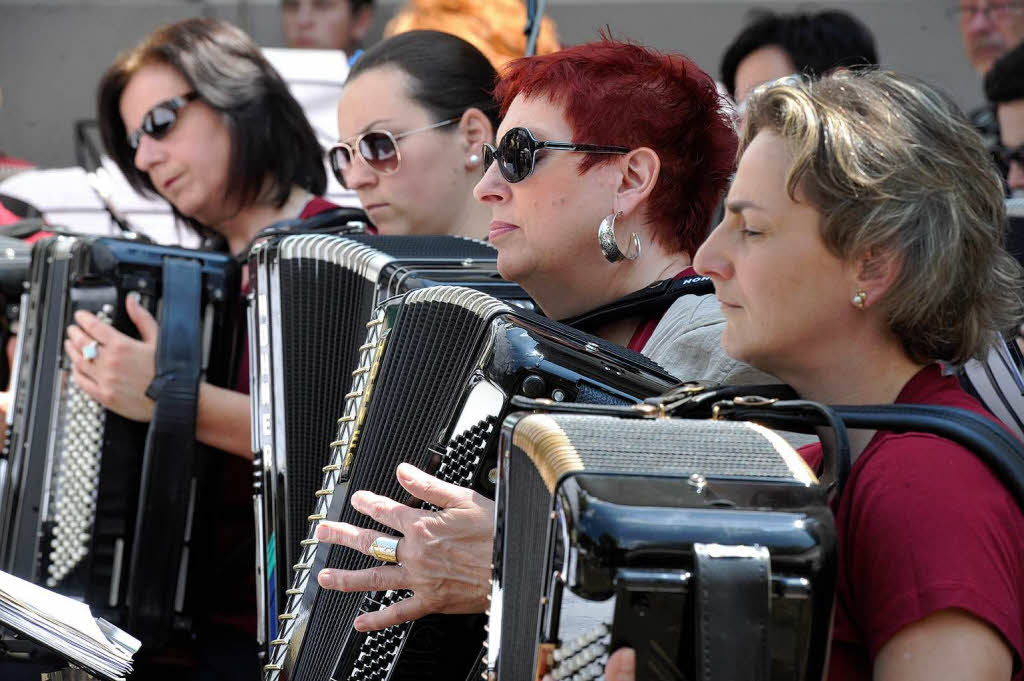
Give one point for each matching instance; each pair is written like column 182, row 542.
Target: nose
column 148, row 154
column 492, row 187
column 711, row 258
column 978, row 20
column 358, row 175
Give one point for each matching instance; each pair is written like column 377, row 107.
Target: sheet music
column 66, row 626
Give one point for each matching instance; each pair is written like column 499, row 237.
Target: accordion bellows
column 615, row 531
column 437, row 384
column 310, row 299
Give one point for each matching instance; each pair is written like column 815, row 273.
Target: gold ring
column 385, row 549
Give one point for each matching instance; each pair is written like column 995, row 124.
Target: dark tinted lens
column 340, row 158
column 488, row 156
column 378, row 148
column 515, row 155
column 159, row 121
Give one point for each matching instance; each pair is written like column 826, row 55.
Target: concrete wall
column 53, row 51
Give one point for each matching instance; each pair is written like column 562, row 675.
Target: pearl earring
column 474, row 159
column 859, row 299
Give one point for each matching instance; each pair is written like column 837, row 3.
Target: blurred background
column 52, row 52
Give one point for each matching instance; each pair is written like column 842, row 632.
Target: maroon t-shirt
column 923, row 526
column 645, row 329
column 236, row 532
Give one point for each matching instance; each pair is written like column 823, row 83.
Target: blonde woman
column 862, row 245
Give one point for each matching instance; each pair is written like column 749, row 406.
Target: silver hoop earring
column 609, row 247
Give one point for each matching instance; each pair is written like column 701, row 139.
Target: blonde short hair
column 895, row 167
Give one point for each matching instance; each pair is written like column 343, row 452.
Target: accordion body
column 94, row 505
column 707, row 546
column 310, row 299
column 431, row 389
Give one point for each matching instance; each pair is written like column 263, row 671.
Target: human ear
column 876, row 270
column 474, row 130
column 640, row 171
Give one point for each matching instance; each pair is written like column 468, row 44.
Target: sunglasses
column 377, row 148
column 517, row 153
column 1010, row 154
column 159, row 120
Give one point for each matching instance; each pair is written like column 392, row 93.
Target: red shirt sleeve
column 928, row 527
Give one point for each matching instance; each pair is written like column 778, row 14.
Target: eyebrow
column 742, row 205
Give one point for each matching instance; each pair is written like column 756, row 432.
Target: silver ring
column 91, row 351
column 385, row 549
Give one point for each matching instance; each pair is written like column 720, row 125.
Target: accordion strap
column 169, row 459
column 650, row 300
column 732, row 602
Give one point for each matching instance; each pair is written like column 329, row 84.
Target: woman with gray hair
column 862, row 246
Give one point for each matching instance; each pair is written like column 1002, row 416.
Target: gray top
column 688, row 344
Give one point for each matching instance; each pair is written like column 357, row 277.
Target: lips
column 374, row 206
column 498, row 228
column 167, row 185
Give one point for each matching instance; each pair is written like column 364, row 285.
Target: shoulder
column 315, row 206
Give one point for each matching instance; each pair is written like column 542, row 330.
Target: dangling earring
column 859, row 299
column 609, row 247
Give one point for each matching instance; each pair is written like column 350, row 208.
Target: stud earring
column 609, row 247
column 474, row 159
column 859, row 299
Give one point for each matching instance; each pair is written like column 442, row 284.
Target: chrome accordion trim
column 283, row 656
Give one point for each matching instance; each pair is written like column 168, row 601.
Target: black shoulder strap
column 648, row 301
column 169, row 460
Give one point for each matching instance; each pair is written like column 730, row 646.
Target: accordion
column 310, row 298
column 94, row 505
column 707, row 546
column 431, row 389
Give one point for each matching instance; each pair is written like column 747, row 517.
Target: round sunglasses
column 377, row 148
column 159, row 120
column 517, row 153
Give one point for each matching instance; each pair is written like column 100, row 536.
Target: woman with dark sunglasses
column 597, row 142
column 197, row 115
column 413, row 116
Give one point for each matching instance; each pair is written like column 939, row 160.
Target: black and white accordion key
column 445, row 364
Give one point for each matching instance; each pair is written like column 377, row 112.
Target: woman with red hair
column 598, row 141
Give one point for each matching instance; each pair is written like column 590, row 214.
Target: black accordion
column 96, row 506
column 310, row 299
column 431, row 388
column 707, row 546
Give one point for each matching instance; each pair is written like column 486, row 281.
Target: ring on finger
column 91, row 351
column 385, row 549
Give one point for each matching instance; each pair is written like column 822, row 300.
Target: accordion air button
column 533, row 386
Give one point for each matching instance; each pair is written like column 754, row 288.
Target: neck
column 870, row 373
column 592, row 287
column 472, row 219
column 242, row 227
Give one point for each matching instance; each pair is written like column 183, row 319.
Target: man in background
column 774, row 45
column 1004, row 88
column 326, row 24
column 988, row 29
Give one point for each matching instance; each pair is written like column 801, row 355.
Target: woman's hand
column 123, row 368
column 445, row 556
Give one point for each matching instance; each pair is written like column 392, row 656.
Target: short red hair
column 618, row 93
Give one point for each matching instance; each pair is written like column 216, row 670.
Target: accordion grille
column 430, row 355
column 319, row 352
column 560, row 444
